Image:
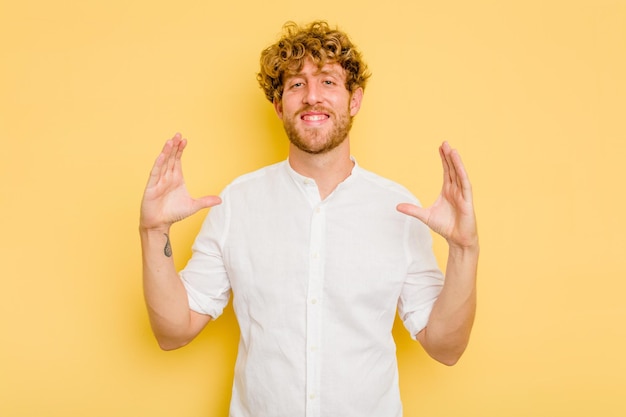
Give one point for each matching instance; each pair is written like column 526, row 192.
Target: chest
column 351, row 251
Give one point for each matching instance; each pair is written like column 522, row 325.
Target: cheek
column 289, row 105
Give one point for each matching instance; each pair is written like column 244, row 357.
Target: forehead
column 310, row 68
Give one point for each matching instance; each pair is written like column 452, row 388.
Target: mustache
column 315, row 109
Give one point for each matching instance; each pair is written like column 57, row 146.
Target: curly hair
column 316, row 41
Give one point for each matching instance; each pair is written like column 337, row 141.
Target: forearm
column 165, row 295
column 448, row 331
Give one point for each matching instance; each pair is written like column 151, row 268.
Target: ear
column 278, row 107
column 355, row 101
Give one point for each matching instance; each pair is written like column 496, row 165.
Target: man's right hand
column 166, row 199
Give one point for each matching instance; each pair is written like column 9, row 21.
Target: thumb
column 418, row 212
column 206, row 202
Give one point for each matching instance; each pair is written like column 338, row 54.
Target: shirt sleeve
column 424, row 279
column 205, row 277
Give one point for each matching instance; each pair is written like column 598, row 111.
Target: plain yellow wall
column 533, row 93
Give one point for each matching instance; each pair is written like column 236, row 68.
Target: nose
column 312, row 94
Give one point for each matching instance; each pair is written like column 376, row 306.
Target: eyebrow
column 332, row 73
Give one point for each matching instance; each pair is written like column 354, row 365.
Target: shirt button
column 313, row 300
column 312, row 396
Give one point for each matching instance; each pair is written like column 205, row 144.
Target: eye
column 328, row 82
column 297, row 85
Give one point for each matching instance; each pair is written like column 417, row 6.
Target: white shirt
column 315, row 288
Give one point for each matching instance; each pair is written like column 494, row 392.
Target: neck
column 328, row 169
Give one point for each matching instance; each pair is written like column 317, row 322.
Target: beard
column 315, row 140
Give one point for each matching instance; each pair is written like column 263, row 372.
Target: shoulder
column 257, row 177
column 259, row 174
column 382, row 185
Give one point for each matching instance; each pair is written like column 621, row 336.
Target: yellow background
column 531, row 92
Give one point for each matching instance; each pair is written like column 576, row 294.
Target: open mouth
column 314, row 117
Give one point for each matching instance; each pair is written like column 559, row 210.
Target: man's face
column 316, row 108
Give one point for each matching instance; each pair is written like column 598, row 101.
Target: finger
column 179, row 150
column 177, row 167
column 464, row 182
column 199, row 204
column 448, row 169
column 208, row 201
column 444, row 164
column 450, row 172
column 173, row 151
column 160, row 163
column 418, row 212
column 459, row 167
column 453, row 156
column 155, row 172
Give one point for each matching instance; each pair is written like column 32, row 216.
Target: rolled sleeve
column 205, row 277
column 424, row 281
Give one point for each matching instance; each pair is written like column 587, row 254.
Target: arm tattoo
column 167, row 250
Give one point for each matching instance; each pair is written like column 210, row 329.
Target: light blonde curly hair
column 316, row 41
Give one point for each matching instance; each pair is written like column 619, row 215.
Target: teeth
column 315, row 118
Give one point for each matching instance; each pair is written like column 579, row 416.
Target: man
column 317, row 252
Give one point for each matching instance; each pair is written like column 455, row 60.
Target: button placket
column 314, row 311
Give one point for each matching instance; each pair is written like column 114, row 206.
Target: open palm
column 166, row 199
column 452, row 215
